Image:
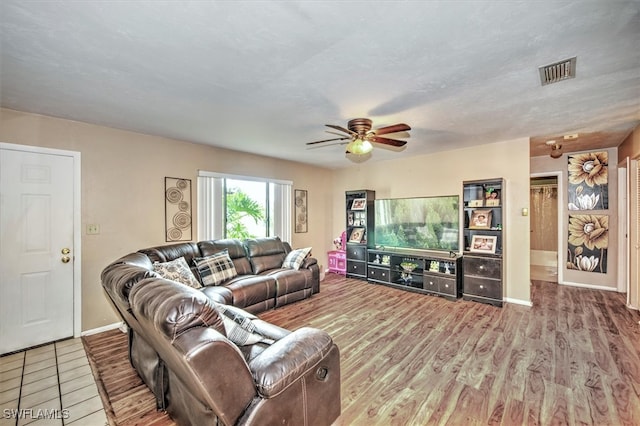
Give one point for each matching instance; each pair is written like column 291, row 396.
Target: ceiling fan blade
column 387, row 141
column 329, row 140
column 400, row 127
column 342, row 129
column 326, row 145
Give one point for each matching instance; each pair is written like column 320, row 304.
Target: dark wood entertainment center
column 477, row 274
column 423, row 272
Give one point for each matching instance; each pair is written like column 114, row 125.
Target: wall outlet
column 93, row 229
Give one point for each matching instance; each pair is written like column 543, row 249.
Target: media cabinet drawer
column 356, row 252
column 378, row 274
column 356, row 268
column 483, row 266
column 440, row 284
column 484, row 287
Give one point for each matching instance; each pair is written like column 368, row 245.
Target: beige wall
column 442, row 174
column 630, row 147
column 546, row 164
column 123, row 186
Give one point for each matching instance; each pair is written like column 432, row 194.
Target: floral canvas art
column 588, row 243
column 588, row 181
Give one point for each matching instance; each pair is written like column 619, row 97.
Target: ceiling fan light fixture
column 359, row 146
column 556, row 151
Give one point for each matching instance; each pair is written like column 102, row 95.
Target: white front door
column 36, row 248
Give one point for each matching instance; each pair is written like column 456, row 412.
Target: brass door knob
column 65, row 259
column 65, row 251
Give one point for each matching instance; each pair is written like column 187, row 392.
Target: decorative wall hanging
column 301, row 210
column 177, row 210
column 588, row 243
column 588, row 181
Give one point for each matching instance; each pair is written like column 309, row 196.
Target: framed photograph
column 480, row 219
column 359, row 204
column 493, row 198
column 356, row 235
column 484, row 243
column 475, row 203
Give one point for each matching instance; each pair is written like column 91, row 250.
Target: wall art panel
column 177, row 196
column 588, row 243
column 588, row 181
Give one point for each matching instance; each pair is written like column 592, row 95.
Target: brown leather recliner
column 211, row 381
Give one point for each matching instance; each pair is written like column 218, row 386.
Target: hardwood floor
column 410, row 359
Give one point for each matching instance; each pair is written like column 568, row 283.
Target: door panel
column 36, row 224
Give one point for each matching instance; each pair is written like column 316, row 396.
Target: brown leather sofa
column 195, row 372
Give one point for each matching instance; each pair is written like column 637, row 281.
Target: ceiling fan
column 360, row 136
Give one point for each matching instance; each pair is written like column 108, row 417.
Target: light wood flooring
column 412, row 359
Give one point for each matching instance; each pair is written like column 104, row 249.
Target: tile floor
column 49, row 385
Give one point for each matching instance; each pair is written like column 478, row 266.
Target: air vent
column 559, row 71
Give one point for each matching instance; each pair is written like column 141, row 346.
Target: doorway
column 39, row 246
column 543, row 199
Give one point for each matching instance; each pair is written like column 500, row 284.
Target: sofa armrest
column 288, row 359
column 308, row 262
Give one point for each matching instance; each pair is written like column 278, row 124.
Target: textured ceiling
column 264, row 77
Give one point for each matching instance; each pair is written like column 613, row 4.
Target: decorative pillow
column 239, row 326
column 215, row 269
column 177, row 270
column 295, row 258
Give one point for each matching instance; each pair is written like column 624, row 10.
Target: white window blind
column 212, row 211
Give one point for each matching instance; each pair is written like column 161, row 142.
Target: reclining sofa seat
column 254, row 293
column 295, row 380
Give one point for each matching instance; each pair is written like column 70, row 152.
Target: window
column 232, row 206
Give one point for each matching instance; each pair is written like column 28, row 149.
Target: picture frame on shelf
column 492, row 198
column 476, row 203
column 484, row 244
column 357, row 234
column 359, row 204
column 480, row 219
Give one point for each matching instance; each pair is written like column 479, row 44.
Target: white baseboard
column 121, row 325
column 589, row 286
column 518, row 301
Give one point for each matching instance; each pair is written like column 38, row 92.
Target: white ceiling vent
column 559, row 71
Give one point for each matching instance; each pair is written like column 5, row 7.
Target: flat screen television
column 425, row 223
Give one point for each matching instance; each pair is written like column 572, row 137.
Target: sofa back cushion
column 265, row 253
column 172, row 252
column 236, row 251
column 120, row 276
column 173, row 308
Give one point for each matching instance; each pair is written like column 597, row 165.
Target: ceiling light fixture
column 359, row 146
column 556, row 149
